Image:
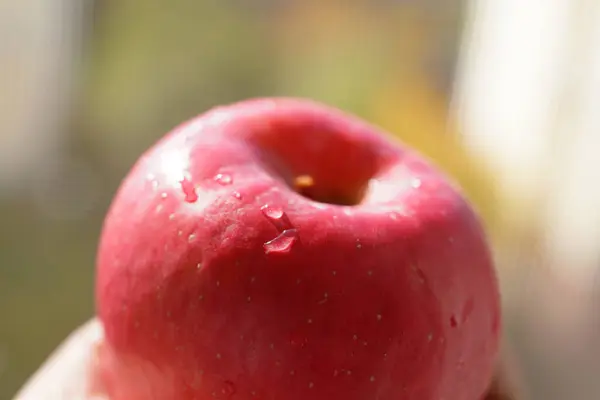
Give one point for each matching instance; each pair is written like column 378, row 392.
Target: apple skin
column 217, row 279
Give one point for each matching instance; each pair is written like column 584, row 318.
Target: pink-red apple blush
column 280, row 249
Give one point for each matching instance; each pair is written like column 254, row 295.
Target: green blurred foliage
column 151, row 64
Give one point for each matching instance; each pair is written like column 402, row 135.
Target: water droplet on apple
column 282, row 243
column 188, row 190
column 272, row 212
column 276, row 216
column 237, row 195
column 223, row 179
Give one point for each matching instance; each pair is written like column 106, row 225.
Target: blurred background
column 502, row 94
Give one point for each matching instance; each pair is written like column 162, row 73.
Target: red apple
column 279, row 249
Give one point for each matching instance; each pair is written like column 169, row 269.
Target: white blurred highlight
column 526, row 100
column 509, row 78
column 39, row 41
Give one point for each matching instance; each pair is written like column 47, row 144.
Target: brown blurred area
column 86, row 86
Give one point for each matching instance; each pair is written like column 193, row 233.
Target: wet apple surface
column 282, row 249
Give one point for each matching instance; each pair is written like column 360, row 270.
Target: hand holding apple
column 281, row 249
column 73, row 372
